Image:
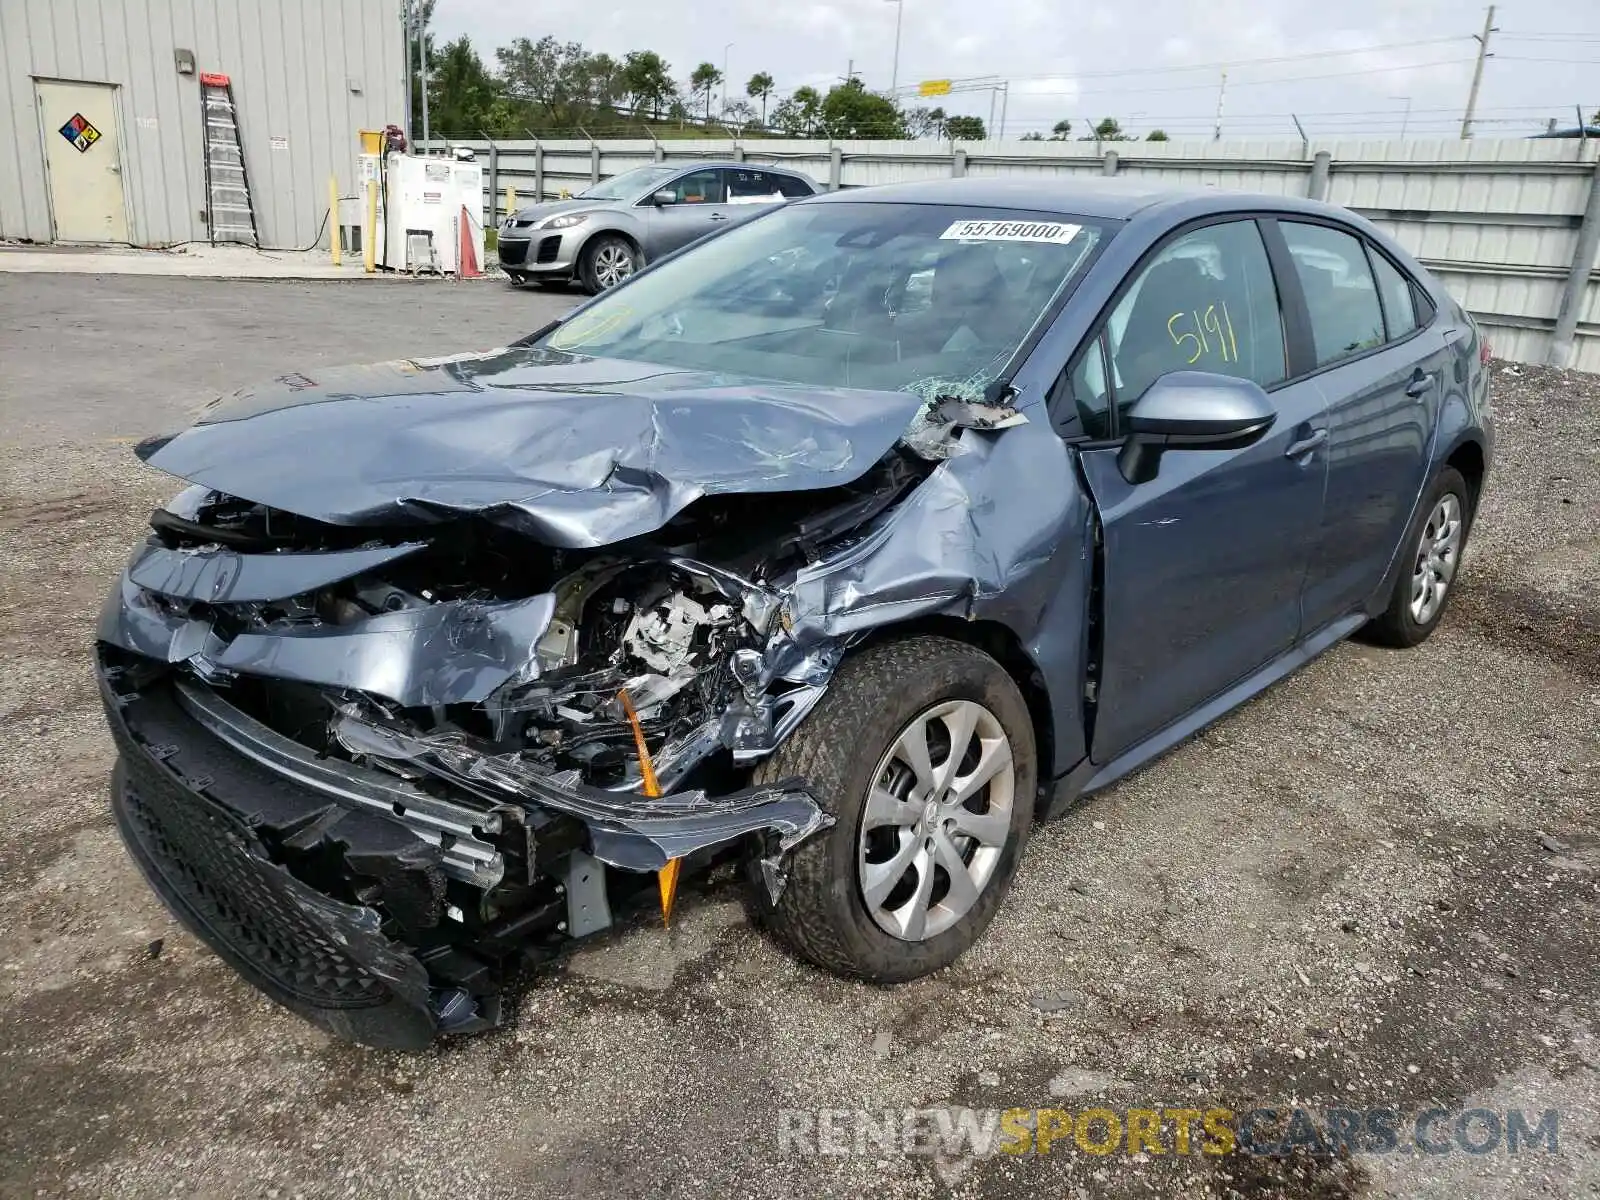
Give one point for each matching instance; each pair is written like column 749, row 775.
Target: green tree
column 1035, row 136
column 849, row 110
column 463, row 97
column 799, row 115
column 1156, row 135
column 602, row 81
column 703, row 82
column 759, row 88
column 923, row 122
column 1108, row 129
column 738, row 113
column 1061, row 130
column 965, row 129
column 647, row 82
column 555, row 81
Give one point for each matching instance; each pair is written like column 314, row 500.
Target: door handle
column 1419, row 386
column 1306, row 444
column 719, row 216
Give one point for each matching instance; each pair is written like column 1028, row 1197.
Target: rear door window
column 1341, row 296
column 753, row 187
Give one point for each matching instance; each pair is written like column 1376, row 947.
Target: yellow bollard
column 369, row 242
column 511, row 199
column 333, row 221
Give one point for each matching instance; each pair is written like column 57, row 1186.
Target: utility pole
column 725, row 50
column 406, row 23
column 422, row 57
column 1405, row 119
column 1477, row 73
column 1222, row 91
column 899, row 15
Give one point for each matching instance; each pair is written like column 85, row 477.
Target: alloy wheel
column 1438, row 555
column 613, row 263
column 936, row 820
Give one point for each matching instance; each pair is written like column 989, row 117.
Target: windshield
column 933, row 299
column 630, row 185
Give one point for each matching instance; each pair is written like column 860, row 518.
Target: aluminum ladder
column 231, row 216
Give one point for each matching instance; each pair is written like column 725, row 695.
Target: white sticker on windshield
column 1010, row 231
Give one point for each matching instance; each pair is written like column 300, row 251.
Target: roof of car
column 1110, row 199
column 750, row 165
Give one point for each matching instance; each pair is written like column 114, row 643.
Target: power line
column 1231, row 64
column 1550, row 37
column 1243, row 62
column 1206, row 87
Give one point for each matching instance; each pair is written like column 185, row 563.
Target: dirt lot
column 1379, row 885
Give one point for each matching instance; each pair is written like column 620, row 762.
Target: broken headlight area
column 378, row 769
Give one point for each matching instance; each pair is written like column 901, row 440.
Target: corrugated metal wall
column 1497, row 220
column 308, row 73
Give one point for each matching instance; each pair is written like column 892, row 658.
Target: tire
column 823, row 911
column 608, row 259
column 1408, row 620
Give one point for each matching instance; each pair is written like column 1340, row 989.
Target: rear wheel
column 1433, row 558
column 923, row 752
column 607, row 261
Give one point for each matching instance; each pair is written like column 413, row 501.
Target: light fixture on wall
column 185, row 61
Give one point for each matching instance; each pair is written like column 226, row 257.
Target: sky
column 1354, row 67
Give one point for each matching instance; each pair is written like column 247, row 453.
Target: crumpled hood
column 572, row 450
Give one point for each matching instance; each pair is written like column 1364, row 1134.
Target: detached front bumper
column 340, row 894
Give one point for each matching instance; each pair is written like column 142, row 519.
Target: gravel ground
column 1374, row 886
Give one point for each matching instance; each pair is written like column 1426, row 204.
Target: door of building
column 83, row 160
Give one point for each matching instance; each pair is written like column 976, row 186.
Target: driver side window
column 697, row 187
column 1205, row 302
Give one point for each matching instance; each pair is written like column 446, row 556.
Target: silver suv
column 605, row 234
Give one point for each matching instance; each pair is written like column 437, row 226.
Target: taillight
column 1485, row 351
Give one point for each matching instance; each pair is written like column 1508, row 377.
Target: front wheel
column 607, row 261
column 1433, row 556
column 923, row 752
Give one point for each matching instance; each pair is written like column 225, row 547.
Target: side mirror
column 665, row 196
column 1192, row 410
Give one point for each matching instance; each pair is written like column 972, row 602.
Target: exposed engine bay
column 690, row 628
column 504, row 701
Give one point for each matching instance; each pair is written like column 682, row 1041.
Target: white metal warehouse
column 101, row 112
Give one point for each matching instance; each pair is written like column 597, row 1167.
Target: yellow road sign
column 934, row 87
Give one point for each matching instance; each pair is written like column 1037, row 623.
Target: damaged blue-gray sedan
column 839, row 547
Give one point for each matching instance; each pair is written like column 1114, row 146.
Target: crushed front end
column 380, row 769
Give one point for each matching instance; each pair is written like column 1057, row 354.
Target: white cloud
column 1057, row 54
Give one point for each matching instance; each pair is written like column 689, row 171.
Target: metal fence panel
column 1497, row 220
